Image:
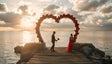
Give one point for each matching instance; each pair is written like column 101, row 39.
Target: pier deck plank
column 59, row 57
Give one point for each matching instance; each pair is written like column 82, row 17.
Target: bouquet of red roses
column 58, row 38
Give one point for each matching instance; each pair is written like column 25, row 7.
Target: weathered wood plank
column 61, row 63
column 59, row 57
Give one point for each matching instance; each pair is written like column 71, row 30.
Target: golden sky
column 23, row 14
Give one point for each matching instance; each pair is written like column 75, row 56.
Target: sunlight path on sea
column 28, row 37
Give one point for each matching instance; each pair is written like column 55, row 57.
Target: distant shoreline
column 57, row 29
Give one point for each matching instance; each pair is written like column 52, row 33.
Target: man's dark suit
column 53, row 42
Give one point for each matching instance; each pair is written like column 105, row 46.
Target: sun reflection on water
column 26, row 37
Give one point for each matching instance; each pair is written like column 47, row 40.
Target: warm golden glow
column 26, row 37
column 27, row 22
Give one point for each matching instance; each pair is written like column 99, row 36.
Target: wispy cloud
column 106, row 8
column 87, row 5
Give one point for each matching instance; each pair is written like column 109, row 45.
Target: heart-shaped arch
column 57, row 19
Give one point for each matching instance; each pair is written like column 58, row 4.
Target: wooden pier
column 59, row 57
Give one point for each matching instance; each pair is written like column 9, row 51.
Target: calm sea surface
column 10, row 39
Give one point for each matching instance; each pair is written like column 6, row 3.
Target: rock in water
column 18, row 49
column 86, row 50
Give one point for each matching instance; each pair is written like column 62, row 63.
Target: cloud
column 107, row 9
column 97, row 21
column 87, row 12
column 24, row 9
column 14, row 19
column 3, row 7
column 55, row 9
column 63, row 10
column 94, row 19
column 58, row 11
column 87, row 5
column 51, row 7
column 75, row 14
column 86, row 19
column 10, row 18
column 107, row 26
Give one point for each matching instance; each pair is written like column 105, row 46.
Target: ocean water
column 11, row 39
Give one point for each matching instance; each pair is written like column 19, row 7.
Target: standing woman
column 70, row 44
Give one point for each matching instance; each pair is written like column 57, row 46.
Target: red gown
column 70, row 46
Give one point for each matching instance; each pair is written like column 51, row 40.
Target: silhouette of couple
column 70, row 45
